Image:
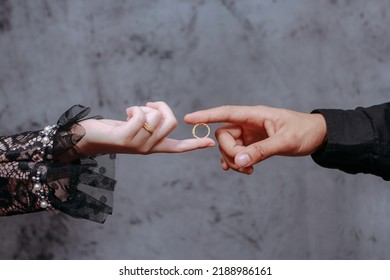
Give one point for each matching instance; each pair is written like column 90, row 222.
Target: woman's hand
column 131, row 137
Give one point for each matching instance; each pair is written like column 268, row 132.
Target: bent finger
column 228, row 140
column 169, row 121
column 152, row 122
column 136, row 120
column 224, row 165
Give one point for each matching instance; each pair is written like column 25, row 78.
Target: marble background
column 196, row 54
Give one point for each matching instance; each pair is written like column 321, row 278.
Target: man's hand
column 254, row 133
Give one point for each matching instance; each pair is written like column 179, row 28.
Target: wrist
column 320, row 130
column 86, row 145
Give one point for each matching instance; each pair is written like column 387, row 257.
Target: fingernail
column 243, row 160
column 212, row 144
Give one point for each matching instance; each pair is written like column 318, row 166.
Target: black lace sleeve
column 43, row 170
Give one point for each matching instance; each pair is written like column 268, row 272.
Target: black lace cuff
column 44, row 170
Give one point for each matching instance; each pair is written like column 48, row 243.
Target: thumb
column 257, row 152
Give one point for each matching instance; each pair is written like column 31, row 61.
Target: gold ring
column 148, row 128
column 202, row 124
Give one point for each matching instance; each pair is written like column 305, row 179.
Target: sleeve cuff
column 350, row 138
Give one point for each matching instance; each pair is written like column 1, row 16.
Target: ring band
column 202, row 124
column 148, row 128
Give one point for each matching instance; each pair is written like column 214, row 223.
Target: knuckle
column 144, row 150
column 259, row 152
column 222, row 130
column 289, row 142
column 140, row 118
column 173, row 123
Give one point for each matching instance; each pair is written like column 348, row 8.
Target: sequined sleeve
column 43, row 170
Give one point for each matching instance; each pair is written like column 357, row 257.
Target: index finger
column 227, row 114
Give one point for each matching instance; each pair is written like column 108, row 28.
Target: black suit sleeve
column 358, row 141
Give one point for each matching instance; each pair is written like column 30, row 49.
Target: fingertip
column 224, row 165
column 150, row 103
column 129, row 111
column 242, row 160
column 211, row 142
column 205, row 142
column 246, row 170
column 189, row 118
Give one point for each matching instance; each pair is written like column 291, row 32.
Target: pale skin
column 251, row 134
column 130, row 137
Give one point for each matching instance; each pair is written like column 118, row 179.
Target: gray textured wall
column 196, row 54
